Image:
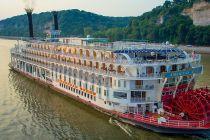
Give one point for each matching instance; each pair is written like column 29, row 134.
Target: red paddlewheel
column 192, row 105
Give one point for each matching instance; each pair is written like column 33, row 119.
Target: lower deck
column 148, row 122
column 119, row 96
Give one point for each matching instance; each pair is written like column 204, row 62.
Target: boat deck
column 153, row 120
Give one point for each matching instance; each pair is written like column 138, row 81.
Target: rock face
column 199, row 13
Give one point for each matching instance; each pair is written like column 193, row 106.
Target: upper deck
column 130, row 53
column 120, row 59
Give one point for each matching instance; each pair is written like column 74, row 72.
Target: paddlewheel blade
column 191, row 105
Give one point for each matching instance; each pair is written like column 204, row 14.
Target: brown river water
column 31, row 111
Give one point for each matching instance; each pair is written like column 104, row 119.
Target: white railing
column 82, row 67
column 102, row 60
column 168, row 123
column 125, row 62
column 137, row 100
column 143, row 87
column 92, row 69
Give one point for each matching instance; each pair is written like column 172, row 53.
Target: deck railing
column 127, row 62
column 142, row 87
column 86, row 68
column 169, row 123
column 92, row 69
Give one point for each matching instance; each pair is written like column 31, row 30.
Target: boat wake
column 125, row 128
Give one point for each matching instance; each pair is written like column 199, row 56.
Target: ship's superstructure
column 147, row 85
column 116, row 76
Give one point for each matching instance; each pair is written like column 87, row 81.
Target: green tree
column 88, row 31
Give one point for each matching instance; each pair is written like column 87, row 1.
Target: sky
column 9, row 8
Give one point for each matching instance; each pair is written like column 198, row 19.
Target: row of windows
column 72, row 60
column 119, row 83
column 91, row 97
column 138, row 94
column 80, row 84
column 79, row 51
column 92, row 87
column 116, row 84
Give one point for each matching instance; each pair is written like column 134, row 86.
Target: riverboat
column 146, row 85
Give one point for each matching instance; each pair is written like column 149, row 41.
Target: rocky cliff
column 199, row 13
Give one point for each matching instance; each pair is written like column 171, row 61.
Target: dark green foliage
column 175, row 27
column 163, row 23
column 71, row 23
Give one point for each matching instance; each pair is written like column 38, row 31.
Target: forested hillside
column 72, row 23
column 163, row 23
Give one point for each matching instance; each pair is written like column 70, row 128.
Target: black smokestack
column 30, row 22
column 55, row 17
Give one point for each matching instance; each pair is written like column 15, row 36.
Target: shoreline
column 201, row 50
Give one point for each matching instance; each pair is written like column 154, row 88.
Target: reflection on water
column 31, row 111
column 204, row 80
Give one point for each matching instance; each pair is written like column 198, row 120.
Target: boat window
column 99, row 90
column 94, row 54
column 139, row 82
column 174, row 68
column 125, row 84
column 150, row 70
column 120, row 69
column 119, row 83
column 183, row 66
column 141, row 95
column 81, row 52
column 107, row 93
column 162, row 69
column 120, row 95
column 104, row 92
